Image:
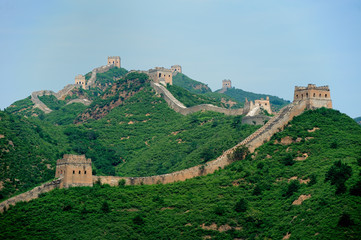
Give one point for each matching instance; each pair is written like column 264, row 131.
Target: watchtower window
column 73, row 172
column 306, row 94
column 160, row 75
column 325, row 95
column 320, row 95
column 301, row 95
column 297, row 96
column 84, row 172
column 314, row 95
column 79, row 172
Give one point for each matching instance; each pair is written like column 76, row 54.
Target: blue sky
column 262, row 46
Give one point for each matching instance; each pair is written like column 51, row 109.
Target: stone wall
column 255, row 120
column 179, row 107
column 29, row 195
column 255, row 140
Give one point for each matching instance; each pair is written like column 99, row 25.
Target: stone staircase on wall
column 180, row 108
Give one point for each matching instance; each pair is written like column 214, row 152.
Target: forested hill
column 128, row 130
column 358, row 120
column 240, row 95
column 303, row 184
column 189, row 84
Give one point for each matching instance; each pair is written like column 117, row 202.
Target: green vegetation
column 358, row 120
column 189, row 84
column 28, row 150
column 23, row 107
column 52, row 102
column 240, row 95
column 190, row 99
column 110, row 76
column 127, row 131
column 226, row 201
column 65, row 115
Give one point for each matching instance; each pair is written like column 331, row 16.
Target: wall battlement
column 315, row 97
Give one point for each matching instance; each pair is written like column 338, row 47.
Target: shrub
column 291, row 188
column 345, row 220
column 338, row 174
column 105, row 207
column 257, row 191
column 121, row 183
column 313, row 179
column 219, row 210
column 288, row 160
column 356, row 189
column 241, row 152
column 138, row 220
column 241, row 205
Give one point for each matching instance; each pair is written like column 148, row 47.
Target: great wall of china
column 305, row 98
column 262, row 135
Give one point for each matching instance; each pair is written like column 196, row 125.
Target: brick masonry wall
column 29, row 195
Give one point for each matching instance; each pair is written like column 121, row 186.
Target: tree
column 345, row 220
column 338, row 174
column 291, row 188
column 105, row 207
column 241, row 205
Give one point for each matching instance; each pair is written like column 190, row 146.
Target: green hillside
column 128, row 130
column 240, row 95
column 250, row 199
column 358, row 120
column 191, row 85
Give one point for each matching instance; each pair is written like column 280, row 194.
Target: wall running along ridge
column 65, row 91
column 29, row 195
column 255, row 140
column 180, row 108
column 262, row 135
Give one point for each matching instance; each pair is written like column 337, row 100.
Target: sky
column 262, row 46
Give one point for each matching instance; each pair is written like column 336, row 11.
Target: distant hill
column 268, row 195
column 358, row 120
column 240, row 95
column 191, row 85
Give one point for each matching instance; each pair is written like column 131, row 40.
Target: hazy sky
column 262, row 46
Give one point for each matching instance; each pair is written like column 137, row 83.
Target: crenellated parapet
column 315, row 97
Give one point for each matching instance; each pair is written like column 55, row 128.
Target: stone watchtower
column 226, row 83
column 75, row 170
column 80, row 81
column 176, row 69
column 161, row 75
column 114, row 60
column 315, row 97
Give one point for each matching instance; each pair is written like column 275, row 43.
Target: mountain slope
column 128, row 130
column 191, row 85
column 240, row 95
column 250, row 199
column 358, row 120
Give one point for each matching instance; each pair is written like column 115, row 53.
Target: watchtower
column 161, row 75
column 75, row 170
column 176, row 69
column 226, row 83
column 80, row 80
column 264, row 104
column 114, row 60
column 316, row 97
